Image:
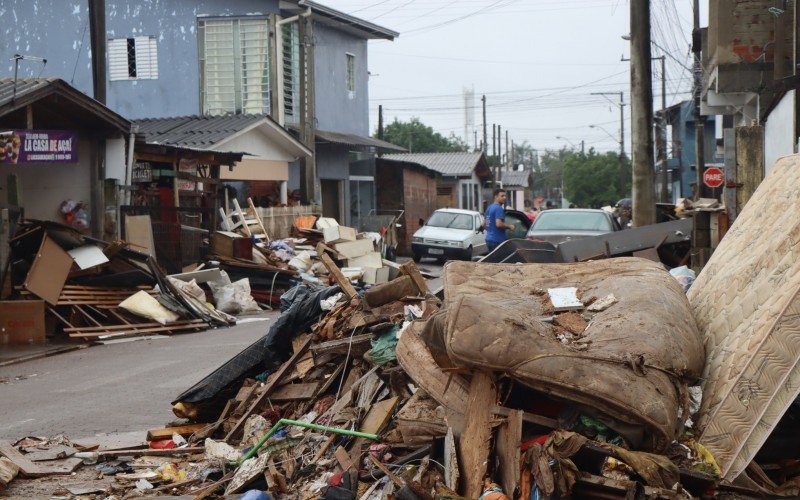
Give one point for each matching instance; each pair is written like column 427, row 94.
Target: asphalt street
column 119, row 387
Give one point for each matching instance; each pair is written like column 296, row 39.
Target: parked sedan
column 557, row 226
column 450, row 234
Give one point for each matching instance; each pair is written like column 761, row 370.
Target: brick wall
column 746, row 27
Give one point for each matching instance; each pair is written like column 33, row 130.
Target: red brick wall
column 754, row 26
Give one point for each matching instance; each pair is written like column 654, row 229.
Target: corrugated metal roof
column 349, row 22
column 197, row 132
column 24, row 86
column 355, row 140
column 515, row 178
column 453, row 164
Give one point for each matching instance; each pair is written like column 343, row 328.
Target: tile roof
column 196, row 132
column 355, row 140
column 452, row 164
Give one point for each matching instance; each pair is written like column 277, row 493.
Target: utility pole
column 700, row 121
column 513, row 163
column 475, row 133
column 508, row 154
column 622, row 174
column 485, row 145
column 499, row 159
column 97, row 23
column 583, row 147
column 661, row 134
column 494, row 153
column 380, row 121
column 644, row 210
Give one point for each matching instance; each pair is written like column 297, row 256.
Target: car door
column 478, row 237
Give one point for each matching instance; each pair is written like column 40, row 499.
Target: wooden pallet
column 130, row 330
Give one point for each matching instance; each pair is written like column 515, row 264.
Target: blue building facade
column 681, row 148
column 187, row 57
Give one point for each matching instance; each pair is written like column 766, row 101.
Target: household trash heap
column 577, row 380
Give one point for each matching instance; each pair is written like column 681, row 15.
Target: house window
column 133, row 58
column 351, row 74
column 290, row 38
column 234, row 66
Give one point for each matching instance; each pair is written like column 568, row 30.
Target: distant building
column 517, row 184
column 463, row 177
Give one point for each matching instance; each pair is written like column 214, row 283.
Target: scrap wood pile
column 572, row 385
column 244, row 250
column 96, row 290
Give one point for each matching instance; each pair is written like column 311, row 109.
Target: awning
column 354, row 140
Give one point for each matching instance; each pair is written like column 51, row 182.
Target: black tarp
column 264, row 355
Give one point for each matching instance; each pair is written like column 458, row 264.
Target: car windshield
column 451, row 220
column 571, row 221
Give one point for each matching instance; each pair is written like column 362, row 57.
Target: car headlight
column 416, row 239
column 456, row 243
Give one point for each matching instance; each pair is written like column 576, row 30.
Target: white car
column 450, row 233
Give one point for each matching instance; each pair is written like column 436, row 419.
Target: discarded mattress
column 632, row 363
column 747, row 307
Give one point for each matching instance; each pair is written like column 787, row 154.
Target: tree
column 591, row 180
column 420, row 138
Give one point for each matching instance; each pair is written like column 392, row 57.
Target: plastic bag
column 684, row 275
column 143, row 304
column 233, row 298
column 301, row 261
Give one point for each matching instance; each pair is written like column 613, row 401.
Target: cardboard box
column 22, row 322
column 338, row 234
column 353, row 249
column 375, row 276
column 372, row 259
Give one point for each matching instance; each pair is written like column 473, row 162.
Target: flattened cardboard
column 88, row 256
column 139, row 232
column 49, row 271
column 22, row 322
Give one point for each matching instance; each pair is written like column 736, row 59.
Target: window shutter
column 118, row 59
column 254, row 71
column 146, row 58
column 219, row 94
column 291, row 73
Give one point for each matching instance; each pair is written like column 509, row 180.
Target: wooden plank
column 268, row 389
column 529, row 418
column 141, row 452
column 356, row 344
column 451, row 472
column 379, row 415
column 29, row 468
column 473, row 445
column 294, row 392
column 8, row 471
column 509, row 437
column 410, row 269
column 49, row 271
column 167, row 432
column 306, row 362
column 344, row 459
column 343, row 282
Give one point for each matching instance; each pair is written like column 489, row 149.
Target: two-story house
column 301, row 63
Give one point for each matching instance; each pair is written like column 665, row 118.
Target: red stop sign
column 713, row 177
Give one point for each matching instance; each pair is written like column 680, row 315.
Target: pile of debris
column 580, row 382
column 62, row 282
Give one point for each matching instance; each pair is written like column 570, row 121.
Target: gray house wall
column 335, row 110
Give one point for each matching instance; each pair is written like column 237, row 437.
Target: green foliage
column 591, row 180
column 420, row 138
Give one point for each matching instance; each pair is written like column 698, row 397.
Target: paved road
column 113, row 388
column 120, row 387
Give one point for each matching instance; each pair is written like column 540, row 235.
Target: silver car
column 560, row 225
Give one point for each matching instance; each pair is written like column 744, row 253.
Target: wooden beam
column 30, row 469
column 410, row 269
column 473, row 445
column 167, row 432
column 509, row 437
column 268, row 389
column 341, row 280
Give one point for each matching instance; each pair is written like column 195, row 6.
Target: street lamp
column 615, row 139
column 583, row 144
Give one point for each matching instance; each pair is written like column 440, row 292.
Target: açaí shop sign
column 38, row 146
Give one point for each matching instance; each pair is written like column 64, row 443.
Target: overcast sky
column 537, row 61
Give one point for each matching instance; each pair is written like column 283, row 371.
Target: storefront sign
column 187, row 167
column 38, row 146
column 142, row 172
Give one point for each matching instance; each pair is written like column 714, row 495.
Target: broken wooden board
column 295, row 392
column 344, row 283
column 247, row 472
column 57, row 452
column 357, row 345
column 306, row 362
column 451, row 472
column 379, row 415
column 473, row 445
column 29, row 468
column 346, row 462
column 167, row 432
column 509, row 437
column 49, row 271
column 411, row 270
column 8, row 471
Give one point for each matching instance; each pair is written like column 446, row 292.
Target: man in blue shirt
column 495, row 217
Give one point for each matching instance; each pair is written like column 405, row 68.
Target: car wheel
column 441, row 260
column 391, row 254
column 417, row 257
column 468, row 254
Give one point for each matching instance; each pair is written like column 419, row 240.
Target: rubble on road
column 387, row 392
